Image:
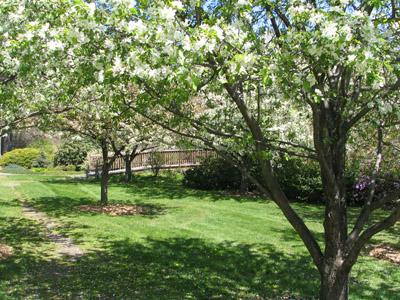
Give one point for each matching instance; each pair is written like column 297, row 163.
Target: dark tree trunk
column 128, row 168
column 334, row 284
column 104, row 187
column 269, row 185
column 330, row 141
column 105, row 176
column 97, row 172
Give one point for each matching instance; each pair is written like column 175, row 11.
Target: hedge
column 25, row 157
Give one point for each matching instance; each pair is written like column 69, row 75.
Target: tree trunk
column 104, row 187
column 96, row 171
column 334, row 283
column 128, row 168
column 104, row 176
column 330, row 141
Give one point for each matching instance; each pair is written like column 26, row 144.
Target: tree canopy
column 246, row 78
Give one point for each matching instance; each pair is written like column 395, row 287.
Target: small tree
column 95, row 121
column 136, row 135
column 156, row 161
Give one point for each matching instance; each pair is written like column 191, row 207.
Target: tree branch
column 386, row 223
column 366, row 210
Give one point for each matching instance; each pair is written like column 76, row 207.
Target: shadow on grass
column 165, row 187
column 169, row 269
column 179, row 268
column 173, row 268
column 66, row 206
column 16, row 231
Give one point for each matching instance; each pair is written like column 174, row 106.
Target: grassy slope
column 196, row 245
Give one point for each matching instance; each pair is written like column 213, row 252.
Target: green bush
column 156, row 160
column 71, row 153
column 213, row 174
column 45, row 146
column 15, row 169
column 69, row 168
column 41, row 161
column 299, row 178
column 25, row 157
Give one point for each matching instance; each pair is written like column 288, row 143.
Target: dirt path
column 65, row 245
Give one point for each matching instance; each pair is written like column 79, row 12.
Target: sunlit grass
column 198, row 245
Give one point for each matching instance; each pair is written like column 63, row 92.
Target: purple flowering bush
column 359, row 191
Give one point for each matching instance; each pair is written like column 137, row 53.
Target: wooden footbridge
column 170, row 159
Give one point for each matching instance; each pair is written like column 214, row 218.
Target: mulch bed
column 385, row 252
column 116, row 209
column 5, row 251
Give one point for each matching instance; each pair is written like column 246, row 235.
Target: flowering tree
column 136, row 136
column 237, row 72
column 95, row 117
column 31, row 60
column 250, row 78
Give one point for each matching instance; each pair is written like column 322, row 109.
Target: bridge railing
column 169, row 159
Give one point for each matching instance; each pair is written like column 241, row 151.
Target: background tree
column 97, row 121
column 136, row 135
column 30, row 60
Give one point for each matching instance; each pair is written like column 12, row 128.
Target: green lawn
column 195, row 245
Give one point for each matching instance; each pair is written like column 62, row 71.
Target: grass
column 199, row 245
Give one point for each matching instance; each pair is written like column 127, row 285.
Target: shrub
column 41, row 161
column 299, row 178
column 156, row 160
column 25, row 157
column 359, row 191
column 71, row 153
column 15, row 169
column 45, row 146
column 66, row 168
column 213, row 174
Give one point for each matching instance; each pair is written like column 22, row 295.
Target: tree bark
column 105, row 176
column 128, row 168
column 334, row 283
column 330, row 141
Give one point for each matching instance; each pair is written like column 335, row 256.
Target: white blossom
column 109, row 44
column 177, row 4
column 55, row 45
column 219, row 32
column 92, row 8
column 138, row 26
column 118, row 68
column 100, row 76
column 329, row 30
column 346, row 30
column 318, row 92
column 316, row 18
column 351, row 57
column 167, row 13
column 243, row 2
